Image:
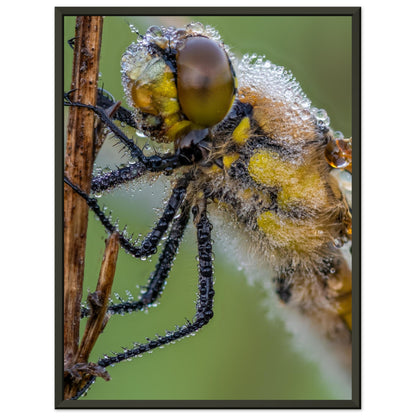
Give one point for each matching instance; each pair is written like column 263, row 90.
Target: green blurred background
column 241, row 354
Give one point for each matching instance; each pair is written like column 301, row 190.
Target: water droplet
column 154, row 31
column 140, row 134
column 179, row 45
column 162, row 42
column 179, row 34
column 321, row 114
column 305, row 115
column 195, row 27
column 133, row 29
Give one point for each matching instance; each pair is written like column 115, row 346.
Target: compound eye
column 205, row 81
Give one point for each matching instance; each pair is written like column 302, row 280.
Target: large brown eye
column 205, row 81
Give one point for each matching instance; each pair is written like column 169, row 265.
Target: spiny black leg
column 153, row 163
column 101, row 113
column 126, row 174
column 122, row 114
column 119, row 176
column 158, row 278
column 204, row 305
column 150, row 242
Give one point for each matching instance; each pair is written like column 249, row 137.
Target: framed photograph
column 184, row 134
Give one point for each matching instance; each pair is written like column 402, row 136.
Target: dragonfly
column 247, row 151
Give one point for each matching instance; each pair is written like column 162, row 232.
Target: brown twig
column 99, row 299
column 79, row 161
column 81, row 369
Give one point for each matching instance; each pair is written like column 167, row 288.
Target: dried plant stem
column 99, row 299
column 96, row 322
column 79, row 161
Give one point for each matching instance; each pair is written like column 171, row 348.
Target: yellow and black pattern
column 267, row 163
column 291, row 209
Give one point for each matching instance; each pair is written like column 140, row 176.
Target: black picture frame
column 355, row 14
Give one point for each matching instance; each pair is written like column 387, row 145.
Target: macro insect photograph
column 216, row 263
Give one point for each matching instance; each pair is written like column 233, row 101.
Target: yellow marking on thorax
column 289, row 233
column 242, row 132
column 295, row 183
column 177, row 128
column 214, row 169
column 228, row 160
